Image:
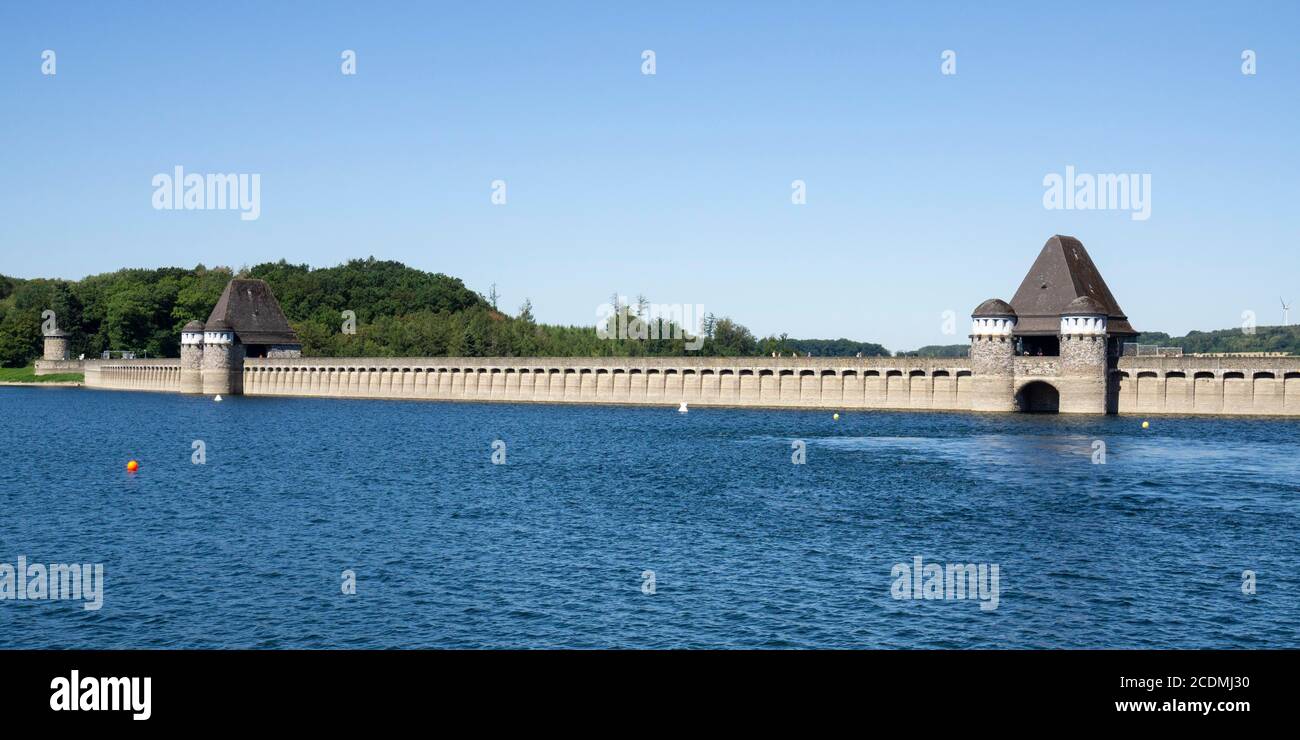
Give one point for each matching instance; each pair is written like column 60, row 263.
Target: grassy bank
column 28, row 375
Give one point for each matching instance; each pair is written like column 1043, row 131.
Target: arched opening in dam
column 1038, row 397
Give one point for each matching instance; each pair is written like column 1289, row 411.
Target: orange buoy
column 132, row 466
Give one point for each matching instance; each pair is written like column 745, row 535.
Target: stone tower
column 992, row 355
column 1083, row 356
column 192, row 357
column 246, row 322
column 56, row 346
column 1064, row 309
column 223, row 359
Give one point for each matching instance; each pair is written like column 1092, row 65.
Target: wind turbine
column 1286, row 312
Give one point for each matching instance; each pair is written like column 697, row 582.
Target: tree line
column 399, row 312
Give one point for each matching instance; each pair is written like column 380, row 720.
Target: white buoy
column 682, row 409
column 218, row 398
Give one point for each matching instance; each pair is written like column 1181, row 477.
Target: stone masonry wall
column 134, row 375
column 993, row 367
column 54, row 367
column 904, row 383
column 1232, row 386
column 1235, row 386
column 1083, row 373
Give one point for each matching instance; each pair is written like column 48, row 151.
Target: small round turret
column 993, row 318
column 992, row 355
column 1084, row 366
column 1083, row 316
column 192, row 357
column 223, row 361
column 192, row 333
column 218, row 331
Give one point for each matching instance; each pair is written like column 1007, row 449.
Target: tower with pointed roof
column 246, row 322
column 1055, row 345
column 1062, row 273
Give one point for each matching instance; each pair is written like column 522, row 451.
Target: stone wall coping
column 675, row 363
column 1276, row 364
column 150, row 362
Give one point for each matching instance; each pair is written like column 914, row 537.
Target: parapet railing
column 1133, row 349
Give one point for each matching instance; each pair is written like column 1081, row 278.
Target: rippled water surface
column 548, row 550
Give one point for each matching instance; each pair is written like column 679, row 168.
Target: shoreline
column 696, row 404
column 43, row 384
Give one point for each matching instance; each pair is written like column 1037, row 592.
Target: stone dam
column 1057, row 346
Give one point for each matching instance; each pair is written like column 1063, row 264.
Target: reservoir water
column 640, row 527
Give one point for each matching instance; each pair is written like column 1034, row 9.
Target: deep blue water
column 548, row 550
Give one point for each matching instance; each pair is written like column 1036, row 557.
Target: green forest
column 400, row 311
column 1264, row 339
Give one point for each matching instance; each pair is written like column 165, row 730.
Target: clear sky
column 924, row 190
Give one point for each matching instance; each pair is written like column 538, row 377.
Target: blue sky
column 924, row 191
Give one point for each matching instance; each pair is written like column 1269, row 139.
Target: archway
column 1038, row 398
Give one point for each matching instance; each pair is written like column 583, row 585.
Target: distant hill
column 939, row 350
column 400, row 311
column 836, row 348
column 1264, row 339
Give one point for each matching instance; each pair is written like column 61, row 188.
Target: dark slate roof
column 193, row 326
column 1084, row 305
column 1062, row 273
column 994, row 307
column 251, row 311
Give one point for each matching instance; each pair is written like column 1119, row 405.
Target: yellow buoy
column 836, row 417
column 1146, row 425
column 132, row 466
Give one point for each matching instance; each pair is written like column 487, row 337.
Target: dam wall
column 824, row 382
column 162, row 375
column 1158, row 385
column 1237, row 386
column 55, row 367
